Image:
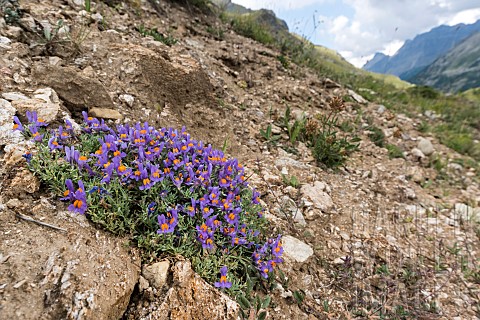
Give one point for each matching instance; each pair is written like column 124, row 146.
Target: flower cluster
column 77, row 197
column 266, row 257
column 183, row 185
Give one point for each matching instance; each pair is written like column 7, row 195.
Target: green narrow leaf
column 258, row 303
column 269, row 131
column 243, row 302
column 266, row 302
column 299, row 296
column 262, row 315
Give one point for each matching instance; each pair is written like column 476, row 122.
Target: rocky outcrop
column 189, row 297
column 76, row 90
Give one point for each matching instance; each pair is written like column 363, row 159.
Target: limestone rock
column 425, row 146
column 13, row 96
column 295, row 249
column 156, row 273
column 465, row 212
column 417, row 153
column 128, row 99
column 45, row 110
column 358, row 98
column 316, row 194
column 105, row 113
column 7, row 136
column 191, row 297
column 75, row 89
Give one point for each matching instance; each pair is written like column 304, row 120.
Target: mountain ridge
column 421, row 51
column 455, row 71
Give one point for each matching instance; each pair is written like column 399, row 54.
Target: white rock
column 299, row 218
column 358, row 98
column 156, row 273
column 45, row 110
column 417, row 153
column 54, row 60
column 5, row 42
column 46, row 94
column 128, row 99
column 381, row 109
column 340, row 260
column 425, row 146
column 455, row 166
column 466, row 213
column 97, row 17
column 14, row 96
column 289, row 162
column 7, row 135
column 296, row 249
column 316, row 194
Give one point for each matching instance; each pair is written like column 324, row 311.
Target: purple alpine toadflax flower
column 223, row 283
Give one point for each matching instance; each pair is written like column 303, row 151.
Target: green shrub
column 170, row 194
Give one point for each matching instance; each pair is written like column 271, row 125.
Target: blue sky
column 359, row 28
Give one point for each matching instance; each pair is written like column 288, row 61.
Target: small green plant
column 377, row 136
column 255, row 308
column 328, row 148
column 252, row 306
column 294, row 129
column 284, row 61
column 423, row 127
column 290, row 181
column 269, row 136
column 217, row 33
column 455, row 249
column 347, row 126
column 168, row 40
column 63, row 39
column 299, row 296
column 394, row 151
column 247, row 26
column 10, row 11
column 326, row 306
column 383, row 269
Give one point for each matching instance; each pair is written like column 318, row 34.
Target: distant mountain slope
column 420, row 52
column 231, row 7
column 458, row 70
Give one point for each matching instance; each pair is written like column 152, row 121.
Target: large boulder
column 77, row 90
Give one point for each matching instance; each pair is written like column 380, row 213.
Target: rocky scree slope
column 377, row 236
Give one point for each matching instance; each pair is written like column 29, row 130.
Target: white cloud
column 466, row 16
column 339, row 23
column 383, row 26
